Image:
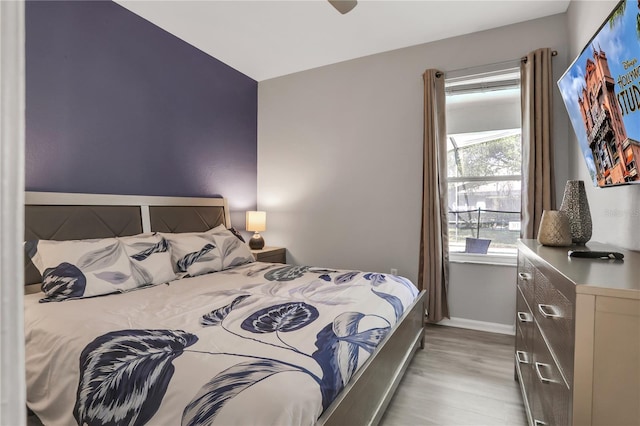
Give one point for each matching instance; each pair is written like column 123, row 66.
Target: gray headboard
column 65, row 216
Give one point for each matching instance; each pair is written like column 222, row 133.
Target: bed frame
column 64, row 216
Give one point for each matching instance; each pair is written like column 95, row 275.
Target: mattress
column 256, row 344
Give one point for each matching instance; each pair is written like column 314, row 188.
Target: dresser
column 577, row 350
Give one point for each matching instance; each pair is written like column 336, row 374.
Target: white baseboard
column 492, row 327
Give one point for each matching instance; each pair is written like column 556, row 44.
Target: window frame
column 491, row 258
column 490, row 79
column 484, row 259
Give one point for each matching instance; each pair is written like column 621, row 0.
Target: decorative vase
column 576, row 207
column 554, row 229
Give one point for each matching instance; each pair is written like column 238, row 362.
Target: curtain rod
column 553, row 53
column 523, row 60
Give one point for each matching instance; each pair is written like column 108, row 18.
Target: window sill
column 484, row 259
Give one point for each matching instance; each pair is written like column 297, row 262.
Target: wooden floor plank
column 462, row 377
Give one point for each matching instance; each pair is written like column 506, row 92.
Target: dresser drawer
column 273, row 258
column 554, row 315
column 552, row 397
column 523, row 359
column 524, row 322
column 525, row 278
column 525, row 377
column 523, row 364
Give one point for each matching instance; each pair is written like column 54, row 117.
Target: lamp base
column 256, row 242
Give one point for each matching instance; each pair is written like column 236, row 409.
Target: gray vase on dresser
column 576, row 206
column 577, row 354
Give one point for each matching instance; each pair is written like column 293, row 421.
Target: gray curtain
column 434, row 241
column 537, row 148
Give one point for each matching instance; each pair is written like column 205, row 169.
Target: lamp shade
column 256, row 221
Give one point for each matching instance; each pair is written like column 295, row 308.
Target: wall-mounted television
column 601, row 90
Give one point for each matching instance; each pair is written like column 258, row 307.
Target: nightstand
column 271, row 254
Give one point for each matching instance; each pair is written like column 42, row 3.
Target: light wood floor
column 461, row 377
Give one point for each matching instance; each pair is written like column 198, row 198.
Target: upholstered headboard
column 64, row 216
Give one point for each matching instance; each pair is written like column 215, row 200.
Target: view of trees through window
column 484, row 184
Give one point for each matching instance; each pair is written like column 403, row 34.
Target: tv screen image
column 601, row 91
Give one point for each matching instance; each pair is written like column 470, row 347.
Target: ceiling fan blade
column 343, row 6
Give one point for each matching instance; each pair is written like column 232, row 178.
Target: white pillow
column 197, row 253
column 193, row 253
column 85, row 268
column 232, row 251
column 150, row 256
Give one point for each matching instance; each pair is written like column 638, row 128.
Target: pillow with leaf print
column 193, row 253
column 232, row 251
column 197, row 253
column 150, row 258
column 85, row 268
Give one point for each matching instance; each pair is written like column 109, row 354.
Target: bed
column 219, row 339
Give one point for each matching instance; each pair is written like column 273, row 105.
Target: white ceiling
column 265, row 38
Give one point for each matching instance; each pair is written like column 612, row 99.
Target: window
column 484, row 163
column 483, row 171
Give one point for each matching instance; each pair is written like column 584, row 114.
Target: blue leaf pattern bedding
column 283, row 340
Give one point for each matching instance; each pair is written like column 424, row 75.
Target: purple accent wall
column 117, row 105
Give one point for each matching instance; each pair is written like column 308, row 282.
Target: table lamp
column 256, row 222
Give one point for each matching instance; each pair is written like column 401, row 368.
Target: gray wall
column 340, row 157
column 615, row 211
column 484, row 293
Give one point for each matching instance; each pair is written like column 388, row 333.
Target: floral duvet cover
column 256, row 344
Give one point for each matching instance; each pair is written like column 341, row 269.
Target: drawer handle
column 539, row 423
column 521, row 357
column 524, row 317
column 548, row 311
column 539, row 373
column 524, row 276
